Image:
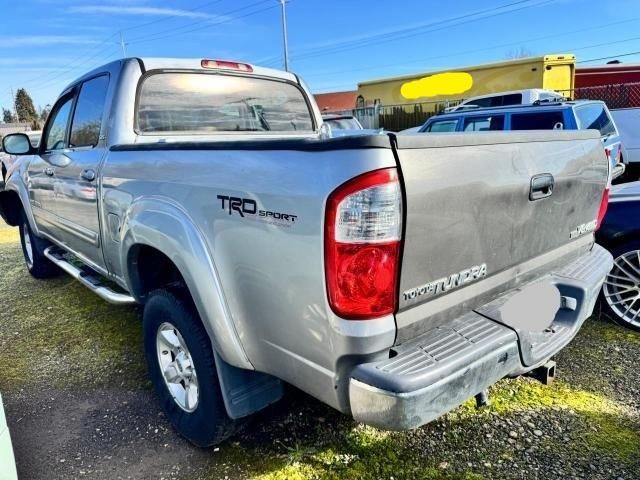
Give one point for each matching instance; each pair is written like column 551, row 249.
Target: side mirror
column 17, row 144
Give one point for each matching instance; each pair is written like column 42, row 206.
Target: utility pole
column 123, row 45
column 284, row 35
column 15, row 110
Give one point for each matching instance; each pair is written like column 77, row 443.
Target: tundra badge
column 447, row 283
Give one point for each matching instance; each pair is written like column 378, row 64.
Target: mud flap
column 246, row 391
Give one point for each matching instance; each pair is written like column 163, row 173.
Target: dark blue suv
column 571, row 115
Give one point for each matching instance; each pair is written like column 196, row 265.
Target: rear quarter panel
column 271, row 271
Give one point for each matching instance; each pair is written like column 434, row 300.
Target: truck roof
column 516, row 108
column 161, row 63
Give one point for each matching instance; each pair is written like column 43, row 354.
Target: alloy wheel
column 176, row 365
column 622, row 287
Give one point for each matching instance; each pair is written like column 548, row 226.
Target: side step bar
column 88, row 278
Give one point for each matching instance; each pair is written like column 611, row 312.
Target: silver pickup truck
column 390, row 277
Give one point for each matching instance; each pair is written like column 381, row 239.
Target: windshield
column 193, row 103
column 344, row 124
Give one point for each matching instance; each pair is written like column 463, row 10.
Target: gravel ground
column 79, row 406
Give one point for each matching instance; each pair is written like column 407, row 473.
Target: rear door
column 77, row 178
column 476, row 207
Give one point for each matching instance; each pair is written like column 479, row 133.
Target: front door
column 42, row 168
column 76, row 179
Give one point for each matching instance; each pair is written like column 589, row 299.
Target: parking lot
column 79, row 406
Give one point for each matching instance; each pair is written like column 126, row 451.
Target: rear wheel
column 620, row 297
column 182, row 369
column 33, row 249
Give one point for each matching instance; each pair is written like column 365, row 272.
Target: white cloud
column 43, row 40
column 148, row 11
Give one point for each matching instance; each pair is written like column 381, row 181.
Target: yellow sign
column 448, row 83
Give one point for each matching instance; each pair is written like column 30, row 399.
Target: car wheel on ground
column 620, row 296
column 33, row 248
column 182, row 368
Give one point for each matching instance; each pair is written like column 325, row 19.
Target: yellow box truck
column 552, row 72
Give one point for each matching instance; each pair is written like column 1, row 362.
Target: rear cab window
column 547, row 120
column 595, row 116
column 201, row 103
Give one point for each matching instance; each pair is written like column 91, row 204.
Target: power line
column 414, row 31
column 611, row 56
column 584, row 47
column 158, row 36
column 74, row 62
column 484, row 49
column 66, row 79
column 55, row 78
column 169, row 17
column 418, row 33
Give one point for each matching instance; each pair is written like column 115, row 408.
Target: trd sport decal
column 248, row 208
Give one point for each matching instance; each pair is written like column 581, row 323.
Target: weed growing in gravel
column 606, row 428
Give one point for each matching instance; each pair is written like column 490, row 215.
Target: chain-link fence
column 623, row 95
column 397, row 117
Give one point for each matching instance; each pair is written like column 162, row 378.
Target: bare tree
column 519, row 52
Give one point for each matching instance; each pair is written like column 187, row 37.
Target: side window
column 87, row 118
column 442, row 126
column 538, row 121
column 595, row 116
column 511, row 99
column 57, row 129
column 498, row 100
column 484, row 124
column 482, row 102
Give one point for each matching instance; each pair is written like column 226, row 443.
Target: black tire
column 605, row 308
column 38, row 265
column 208, row 424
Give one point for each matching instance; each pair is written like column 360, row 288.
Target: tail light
column 363, row 229
column 602, row 211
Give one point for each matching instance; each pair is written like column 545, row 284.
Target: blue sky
column 333, row 44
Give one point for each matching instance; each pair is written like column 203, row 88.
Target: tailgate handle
column 541, row 186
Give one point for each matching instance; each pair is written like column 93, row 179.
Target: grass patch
column 57, row 332
column 615, row 334
column 8, row 234
column 355, row 458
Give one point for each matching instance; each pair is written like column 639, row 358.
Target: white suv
column 503, row 99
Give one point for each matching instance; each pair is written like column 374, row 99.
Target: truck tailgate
column 482, row 217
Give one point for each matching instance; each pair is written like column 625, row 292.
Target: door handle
column 541, row 186
column 49, row 171
column 88, row 175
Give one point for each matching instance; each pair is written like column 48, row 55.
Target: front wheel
column 33, row 249
column 620, row 297
column 182, row 369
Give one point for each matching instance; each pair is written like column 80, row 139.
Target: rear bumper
column 439, row 370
